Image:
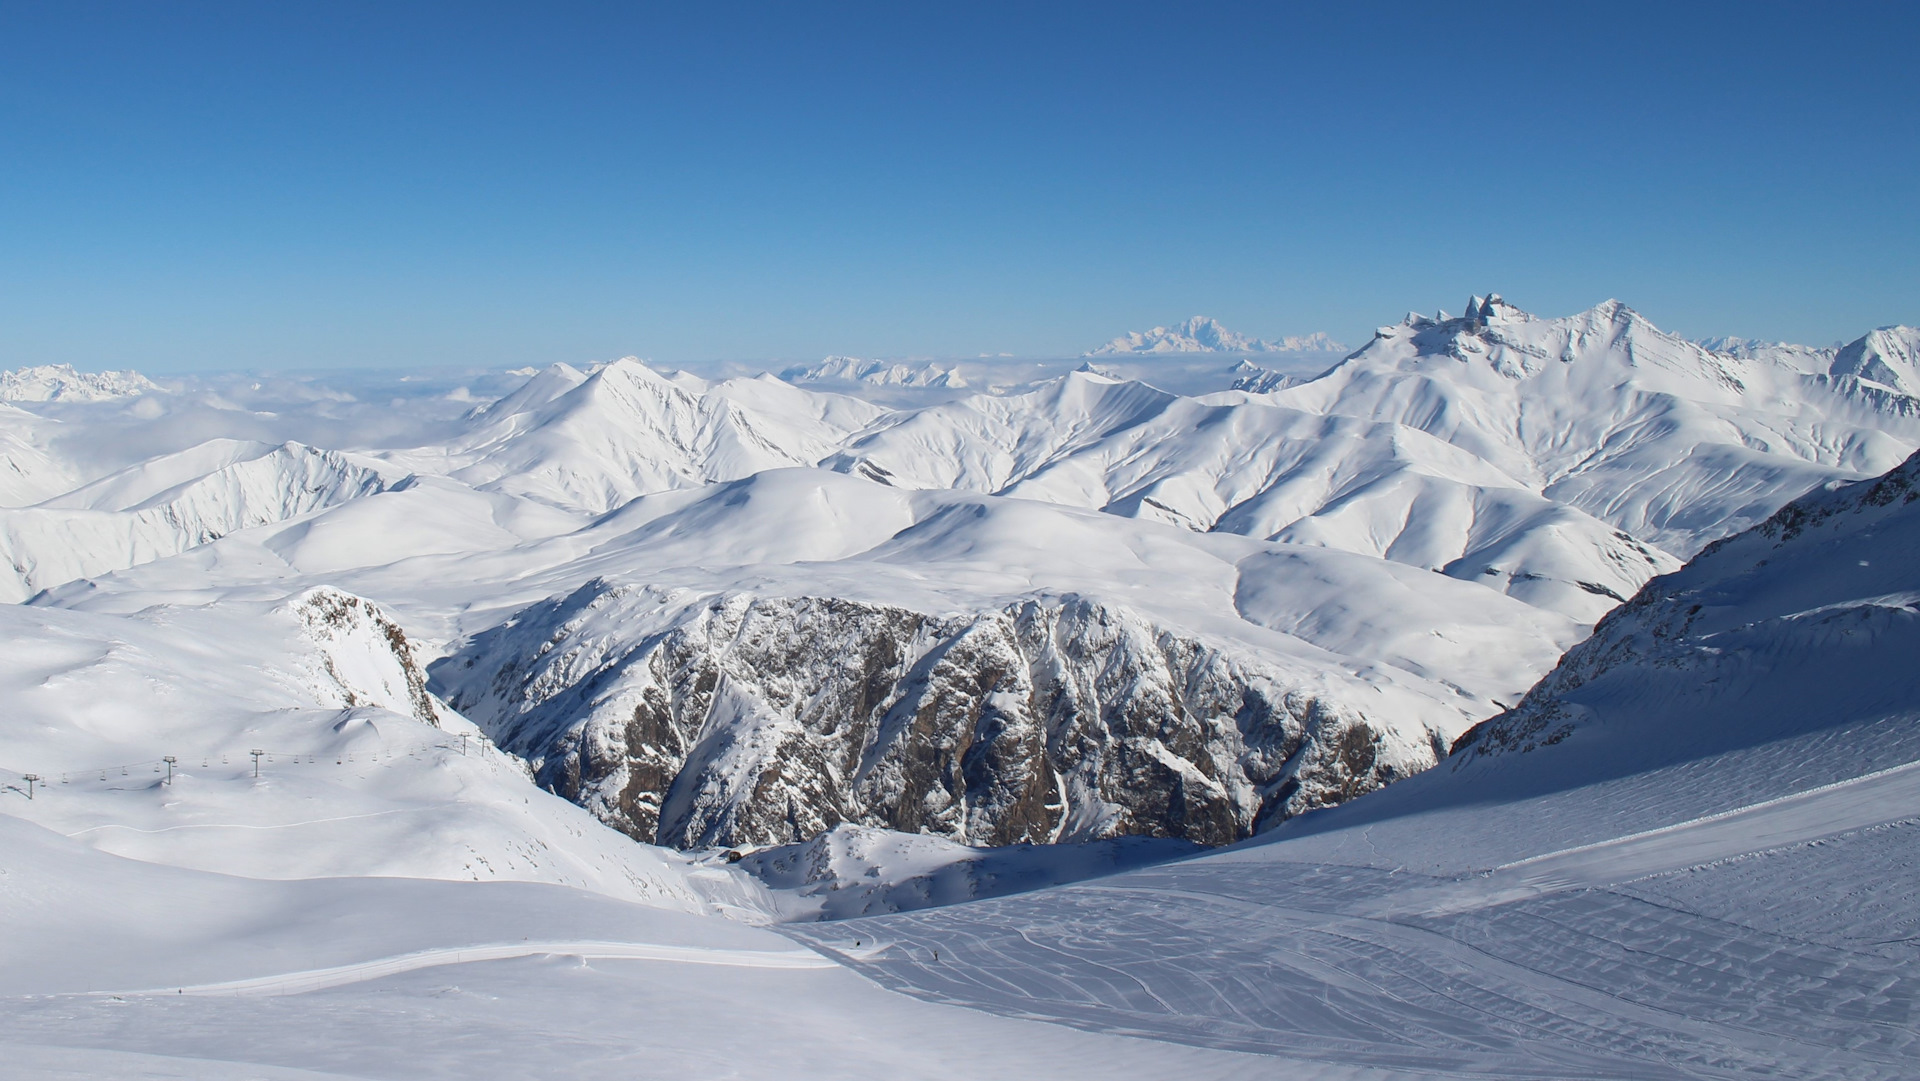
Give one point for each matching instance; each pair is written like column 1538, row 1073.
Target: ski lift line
column 272, row 758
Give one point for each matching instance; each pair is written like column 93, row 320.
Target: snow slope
column 1690, row 853
column 1253, row 467
column 593, row 442
column 1604, row 412
column 363, row 775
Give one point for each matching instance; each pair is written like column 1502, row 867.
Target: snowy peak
column 171, row 503
column 543, row 386
column 61, row 383
column 1889, row 356
column 1490, row 309
column 1202, row 334
column 1254, row 379
column 590, row 442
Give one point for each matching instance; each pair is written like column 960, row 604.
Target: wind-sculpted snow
column 738, row 719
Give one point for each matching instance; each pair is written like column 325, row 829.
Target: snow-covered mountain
column 173, row 503
column 874, row 373
column 61, row 383
column 856, row 640
column 1254, row 379
column 1028, row 672
column 1601, row 411
column 1202, row 334
column 1035, row 571
column 1812, row 359
column 591, row 442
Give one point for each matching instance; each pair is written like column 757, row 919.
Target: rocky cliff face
column 740, row 719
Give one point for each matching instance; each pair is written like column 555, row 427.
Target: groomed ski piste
column 1691, row 850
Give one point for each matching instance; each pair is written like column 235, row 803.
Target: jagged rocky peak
column 1491, row 309
column 62, row 383
column 726, row 719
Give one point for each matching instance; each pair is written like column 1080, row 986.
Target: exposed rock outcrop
column 361, row 656
column 739, row 719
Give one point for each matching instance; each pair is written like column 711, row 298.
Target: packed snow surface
column 343, row 714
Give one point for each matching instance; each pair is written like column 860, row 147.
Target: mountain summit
column 1202, row 334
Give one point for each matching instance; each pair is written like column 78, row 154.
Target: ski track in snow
column 1532, row 970
column 1885, row 796
column 319, row 979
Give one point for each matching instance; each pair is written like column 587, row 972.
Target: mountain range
column 1514, row 696
column 1061, row 611
column 1202, row 334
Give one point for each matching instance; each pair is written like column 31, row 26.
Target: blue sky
column 239, row 185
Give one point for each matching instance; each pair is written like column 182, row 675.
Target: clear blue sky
column 227, row 185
